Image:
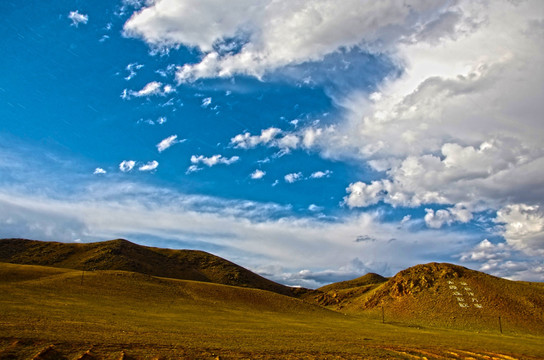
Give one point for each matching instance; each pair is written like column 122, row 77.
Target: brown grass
column 149, row 317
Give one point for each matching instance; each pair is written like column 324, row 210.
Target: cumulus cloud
column 286, row 141
column 253, row 37
column 458, row 213
column 488, row 170
column 460, row 125
column 99, row 171
column 523, row 227
column 503, row 259
column 152, row 165
column 486, row 250
column 321, row 174
column 210, row 161
column 168, row 142
column 293, row 177
column 127, row 165
column 78, row 18
column 258, row 174
column 248, row 141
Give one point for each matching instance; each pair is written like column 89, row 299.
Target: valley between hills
column 119, row 300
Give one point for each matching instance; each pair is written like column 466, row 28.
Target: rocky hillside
column 440, row 294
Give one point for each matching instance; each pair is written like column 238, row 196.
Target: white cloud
column 461, row 122
column 286, row 141
column 321, row 174
column 168, row 142
column 127, row 165
column 206, row 102
column 503, row 259
column 363, row 195
column 464, row 112
column 152, row 165
column 132, row 68
column 167, row 89
column 258, row 174
column 274, row 33
column 99, row 171
column 77, row 18
column 293, row 177
column 436, row 219
column 248, row 233
column 193, row 168
column 247, row 141
column 486, row 250
column 523, row 227
column 315, row 208
column 150, row 89
column 213, row 160
column 489, row 171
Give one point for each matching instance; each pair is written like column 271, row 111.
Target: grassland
column 105, row 313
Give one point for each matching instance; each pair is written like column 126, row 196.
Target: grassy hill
column 365, row 280
column 124, row 255
column 445, row 295
column 55, row 313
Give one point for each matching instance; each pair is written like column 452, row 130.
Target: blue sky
column 307, row 141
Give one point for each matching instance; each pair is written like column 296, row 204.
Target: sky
column 308, row 141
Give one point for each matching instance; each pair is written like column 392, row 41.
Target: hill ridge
column 121, row 254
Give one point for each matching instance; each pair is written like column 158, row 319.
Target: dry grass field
column 54, row 313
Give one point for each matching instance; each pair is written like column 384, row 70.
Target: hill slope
column 442, row 294
column 124, row 255
column 55, row 313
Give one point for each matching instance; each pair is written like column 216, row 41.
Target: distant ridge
column 121, row 254
column 368, row 279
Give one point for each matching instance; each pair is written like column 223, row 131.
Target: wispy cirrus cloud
column 132, row 69
column 210, row 161
column 214, row 160
column 168, row 142
column 247, row 232
column 150, row 89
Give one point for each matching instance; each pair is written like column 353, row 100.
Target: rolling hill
column 435, row 294
column 445, row 295
column 123, row 255
column 56, row 313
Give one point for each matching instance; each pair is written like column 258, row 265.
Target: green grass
column 151, row 317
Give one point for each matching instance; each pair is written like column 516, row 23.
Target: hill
column 123, row 255
column 56, row 313
column 365, row 280
column 446, row 295
column 336, row 295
